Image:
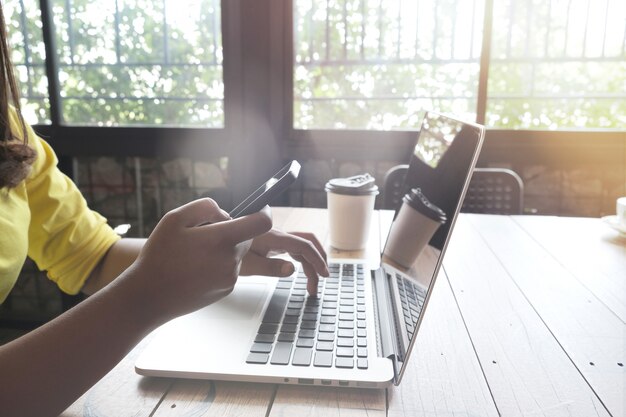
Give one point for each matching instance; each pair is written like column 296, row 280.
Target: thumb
column 254, row 264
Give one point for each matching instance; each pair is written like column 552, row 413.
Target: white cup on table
column 350, row 206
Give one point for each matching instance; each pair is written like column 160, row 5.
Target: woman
column 136, row 284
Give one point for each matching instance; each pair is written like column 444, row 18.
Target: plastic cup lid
column 357, row 185
column 420, row 202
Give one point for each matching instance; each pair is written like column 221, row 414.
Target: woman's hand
column 303, row 247
column 187, row 264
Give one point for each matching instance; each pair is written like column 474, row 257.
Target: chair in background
column 494, row 191
column 393, row 190
column 491, row 190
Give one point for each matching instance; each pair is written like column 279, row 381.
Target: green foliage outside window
column 137, row 62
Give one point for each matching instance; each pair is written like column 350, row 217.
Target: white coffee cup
column 414, row 226
column 621, row 211
column 350, row 206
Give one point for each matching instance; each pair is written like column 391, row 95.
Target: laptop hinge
column 384, row 318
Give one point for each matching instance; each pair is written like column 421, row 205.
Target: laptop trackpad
column 241, row 304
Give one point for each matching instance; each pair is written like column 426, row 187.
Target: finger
column 312, row 279
column 244, row 228
column 313, row 239
column 307, row 250
column 204, row 210
column 254, row 264
column 298, row 246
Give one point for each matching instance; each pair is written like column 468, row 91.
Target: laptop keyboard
column 324, row 331
column 412, row 301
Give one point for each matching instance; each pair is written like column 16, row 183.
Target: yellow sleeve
column 66, row 238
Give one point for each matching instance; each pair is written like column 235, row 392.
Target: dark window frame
column 149, row 140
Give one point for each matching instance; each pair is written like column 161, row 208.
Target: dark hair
column 16, row 157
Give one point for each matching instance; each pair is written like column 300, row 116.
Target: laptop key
column 307, row 334
column 345, row 324
column 292, row 312
column 286, row 337
column 327, row 320
column 361, row 363
column 345, row 352
column 361, row 333
column 361, row 352
column 309, row 316
column 323, row 359
column 361, row 342
column 261, row 348
column 288, row 328
column 325, row 346
column 302, row 356
column 345, row 333
column 312, row 301
column 344, row 363
column 326, row 337
column 268, row 328
column 327, row 328
column 264, row 338
column 257, row 358
column 274, row 311
column 345, row 342
column 305, row 343
column 282, row 352
column 308, row 325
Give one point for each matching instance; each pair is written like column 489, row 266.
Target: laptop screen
column 439, row 171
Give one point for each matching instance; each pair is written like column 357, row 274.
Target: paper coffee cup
column 350, row 206
column 416, row 223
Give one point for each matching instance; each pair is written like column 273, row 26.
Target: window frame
column 148, row 140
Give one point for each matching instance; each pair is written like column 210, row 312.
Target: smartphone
column 268, row 192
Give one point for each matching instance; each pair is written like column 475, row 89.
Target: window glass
column 558, row 64
column 140, row 62
column 23, row 19
column 379, row 64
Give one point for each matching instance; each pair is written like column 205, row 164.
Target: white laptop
column 359, row 331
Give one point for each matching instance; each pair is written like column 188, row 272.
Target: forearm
column 119, row 257
column 44, row 371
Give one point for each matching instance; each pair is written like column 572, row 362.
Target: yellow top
column 47, row 218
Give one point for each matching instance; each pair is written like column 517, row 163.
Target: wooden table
column 527, row 318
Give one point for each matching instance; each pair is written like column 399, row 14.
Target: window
column 123, row 62
column 558, row 64
column 140, row 62
column 379, row 64
column 23, row 18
